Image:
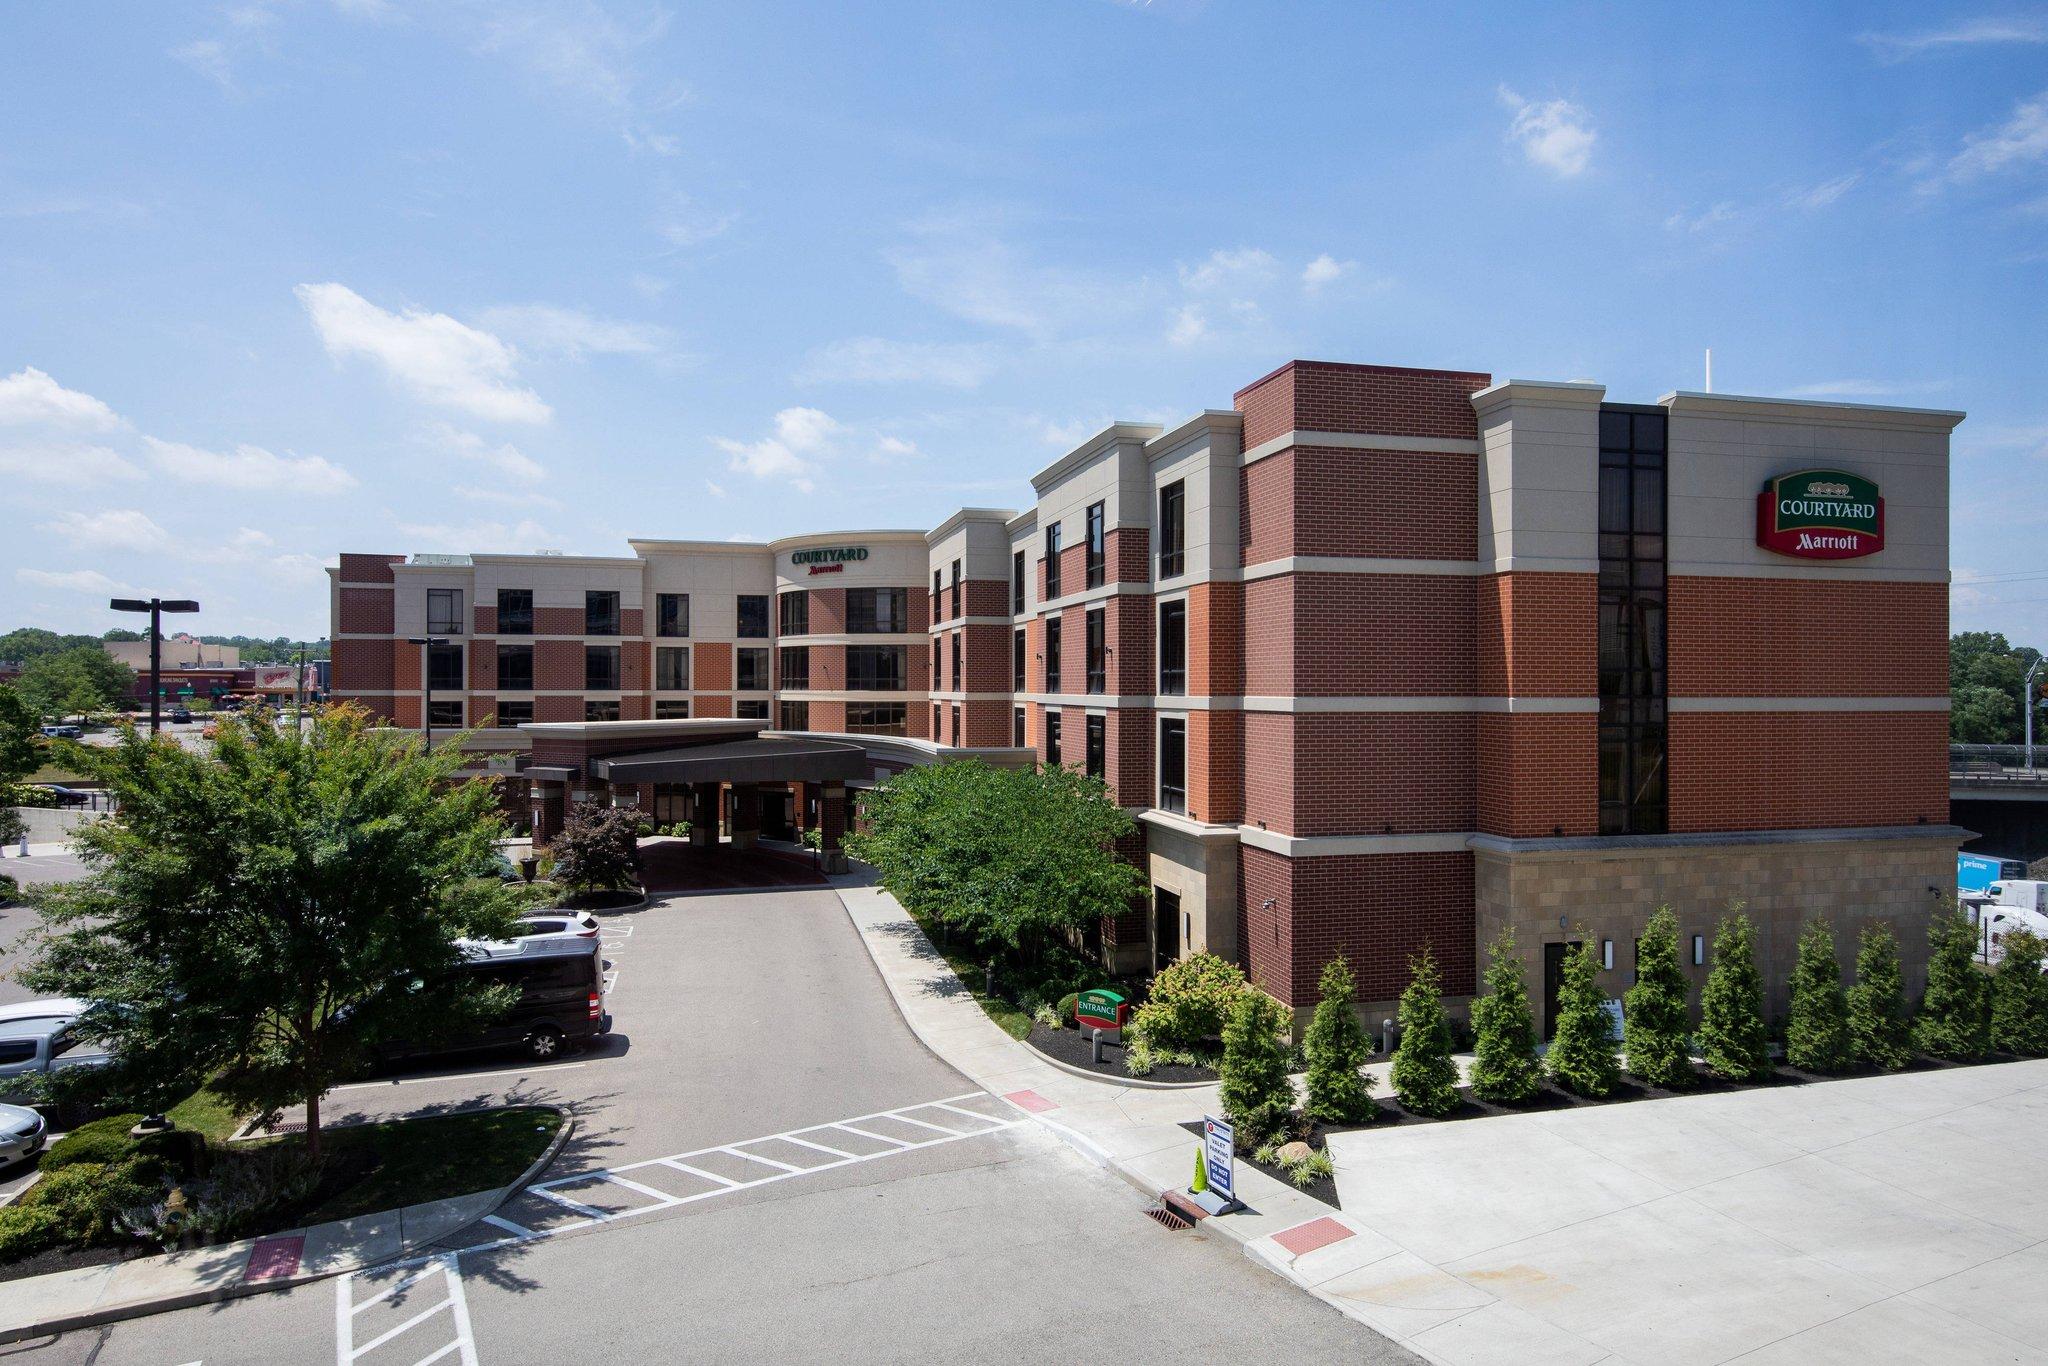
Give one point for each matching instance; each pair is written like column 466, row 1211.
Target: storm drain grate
column 1168, row 1219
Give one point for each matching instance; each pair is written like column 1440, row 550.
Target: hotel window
column 514, row 714
column 1098, row 653
column 515, row 668
column 753, row 615
column 1017, row 584
column 959, row 649
column 444, row 668
column 672, row 668
column 1052, row 654
column 877, row 611
column 877, row 668
column 675, row 709
column 1018, row 650
column 796, row 666
column 1098, row 550
column 672, row 614
column 751, row 711
column 935, row 723
column 1173, row 648
column 938, row 660
column 957, row 737
column 445, row 715
column 601, row 711
column 938, row 588
column 875, row 718
column 956, row 589
column 444, row 611
column 1173, row 529
column 795, row 610
column 601, row 668
column 1052, row 561
column 1098, row 747
column 750, row 671
column 515, row 611
column 1631, row 630
column 1017, row 728
column 1173, row 765
column 600, row 614
column 793, row 716
column 1052, row 737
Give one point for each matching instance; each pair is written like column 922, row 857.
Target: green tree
column 1581, row 1055
column 1424, row 1074
column 75, row 681
column 1955, row 1012
column 1505, row 1067
column 1982, row 716
column 594, row 851
column 1257, row 1097
column 1732, row 1035
column 1986, row 676
column 1338, row 1092
column 21, row 737
column 1654, row 1024
column 266, row 915
column 33, row 642
column 2019, row 998
column 1879, row 1032
column 1817, row 1036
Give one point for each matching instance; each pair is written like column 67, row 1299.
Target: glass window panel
column 1649, row 430
column 1614, row 431
column 1614, row 500
column 1649, row 502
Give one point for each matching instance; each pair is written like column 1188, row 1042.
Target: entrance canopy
column 762, row 759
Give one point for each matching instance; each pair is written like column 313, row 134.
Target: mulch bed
column 1323, row 1188
column 1072, row 1047
column 598, row 901
column 74, row 1259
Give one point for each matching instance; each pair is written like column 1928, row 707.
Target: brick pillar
column 832, row 825
column 547, row 812
column 746, row 815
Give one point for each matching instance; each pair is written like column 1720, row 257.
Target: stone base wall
column 1609, row 894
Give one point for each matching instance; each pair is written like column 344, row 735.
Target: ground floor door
column 1553, row 979
column 778, row 813
column 1165, row 928
column 671, row 803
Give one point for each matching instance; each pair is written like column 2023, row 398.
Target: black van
column 560, row 1005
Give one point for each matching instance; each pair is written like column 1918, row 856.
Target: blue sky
column 282, row 279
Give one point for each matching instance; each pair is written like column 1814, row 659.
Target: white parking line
column 445, row 1264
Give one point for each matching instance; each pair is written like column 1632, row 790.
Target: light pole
column 2027, row 706
column 156, row 607
column 429, row 642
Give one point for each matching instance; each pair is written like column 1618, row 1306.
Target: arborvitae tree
column 2019, row 998
column 1257, row 1096
column 1654, row 1022
column 1424, row 1075
column 1732, row 1036
column 1505, row 1067
column 1338, row 1092
column 1955, row 1014
column 1879, row 1032
column 1817, row 1036
column 1581, row 1055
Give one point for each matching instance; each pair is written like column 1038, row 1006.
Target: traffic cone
column 1201, row 1184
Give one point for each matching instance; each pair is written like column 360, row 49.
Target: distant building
column 179, row 652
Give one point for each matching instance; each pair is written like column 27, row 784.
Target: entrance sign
column 1219, row 1152
column 1101, row 1008
column 829, row 559
column 1820, row 515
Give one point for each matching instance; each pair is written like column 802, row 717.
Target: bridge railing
column 1997, row 763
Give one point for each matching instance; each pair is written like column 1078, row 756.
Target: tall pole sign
column 1820, row 515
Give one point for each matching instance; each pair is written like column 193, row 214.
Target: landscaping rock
column 1296, row 1151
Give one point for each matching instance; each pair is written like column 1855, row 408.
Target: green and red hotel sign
column 1101, row 1008
column 1820, row 515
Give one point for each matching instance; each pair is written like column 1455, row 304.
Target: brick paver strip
column 1306, row 1238
column 1032, row 1101
column 274, row 1259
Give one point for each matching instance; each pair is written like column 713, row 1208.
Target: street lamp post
column 2027, row 706
column 427, row 715
column 156, row 607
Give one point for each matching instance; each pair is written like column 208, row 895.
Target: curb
column 220, row 1294
column 1139, row 1082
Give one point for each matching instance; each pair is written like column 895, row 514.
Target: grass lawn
column 206, row 1111
column 1013, row 1021
column 409, row 1161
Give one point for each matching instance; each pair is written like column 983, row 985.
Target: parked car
column 66, row 796
column 181, row 715
column 580, row 924
column 66, row 731
column 42, row 1046
column 54, row 1007
column 561, row 998
column 22, row 1133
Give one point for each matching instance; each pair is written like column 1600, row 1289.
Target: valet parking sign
column 1820, row 515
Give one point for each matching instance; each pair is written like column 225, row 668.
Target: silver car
column 41, row 1045
column 22, row 1134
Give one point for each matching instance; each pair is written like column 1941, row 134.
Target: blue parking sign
column 1219, row 1152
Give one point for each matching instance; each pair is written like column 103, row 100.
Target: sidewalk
column 1133, row 1131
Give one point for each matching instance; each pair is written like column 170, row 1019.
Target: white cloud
column 876, row 360
column 435, row 357
column 684, row 224
column 73, row 581
column 2021, row 138
column 801, row 435
column 209, row 58
column 113, row 529
column 506, row 458
column 64, row 463
column 1704, row 221
column 1244, row 268
column 958, row 264
column 523, row 536
column 1189, row 327
column 1825, row 193
column 1556, row 135
column 29, row 396
column 549, row 330
column 889, row 449
column 1325, row 270
column 506, row 497
column 1899, row 47
column 250, row 468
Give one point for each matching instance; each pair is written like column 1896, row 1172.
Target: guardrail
column 1997, row 765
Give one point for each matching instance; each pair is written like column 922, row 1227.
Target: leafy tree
column 1337, row 1049
column 1879, row 1032
column 1189, row 1002
column 1009, row 858
column 75, row 681
column 1817, row 1036
column 594, row 851
column 1257, row 1096
column 33, row 642
column 1654, row 1025
column 2019, row 998
column 1581, row 1055
column 266, row 915
column 1732, row 1035
column 121, row 636
column 1505, row 1067
column 21, row 739
column 1425, row 1076
column 1986, row 676
column 1955, row 1013
column 1983, row 716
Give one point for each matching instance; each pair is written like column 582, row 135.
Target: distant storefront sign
column 829, row 559
column 1820, row 515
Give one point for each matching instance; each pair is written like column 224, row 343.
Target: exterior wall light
column 1607, row 954
column 1699, row 949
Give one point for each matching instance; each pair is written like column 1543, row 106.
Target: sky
column 284, row 278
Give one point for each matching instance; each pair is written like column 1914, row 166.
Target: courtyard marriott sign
column 1820, row 515
column 831, row 559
